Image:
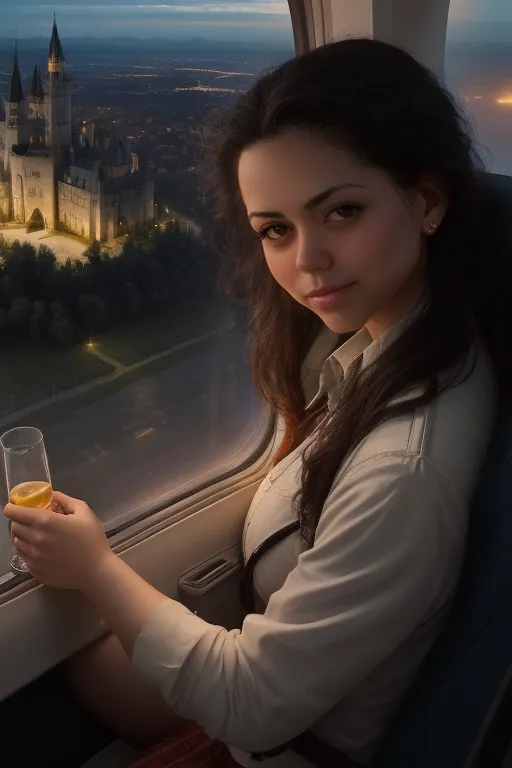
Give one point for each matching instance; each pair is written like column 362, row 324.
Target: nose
column 312, row 255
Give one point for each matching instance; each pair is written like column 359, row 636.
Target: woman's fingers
column 25, row 533
column 66, row 503
column 23, row 548
column 57, row 508
column 24, row 515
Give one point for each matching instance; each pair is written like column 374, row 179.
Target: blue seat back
column 447, row 707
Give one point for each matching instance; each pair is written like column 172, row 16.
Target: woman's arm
column 71, row 551
column 123, row 598
column 384, row 552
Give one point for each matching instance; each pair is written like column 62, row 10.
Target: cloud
column 192, row 6
column 266, row 19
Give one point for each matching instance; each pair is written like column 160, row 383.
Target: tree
column 21, row 265
column 93, row 255
column 10, row 288
column 56, row 310
column 61, row 329
column 37, row 320
column 3, row 323
column 5, row 248
column 45, row 299
column 93, row 313
column 46, row 262
column 132, row 300
column 18, row 316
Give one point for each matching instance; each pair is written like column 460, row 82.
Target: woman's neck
column 402, row 304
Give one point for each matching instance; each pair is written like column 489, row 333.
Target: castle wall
column 5, row 201
column 14, row 135
column 86, row 178
column 3, row 164
column 36, row 110
column 33, row 181
column 133, row 206
column 116, row 171
column 126, row 209
column 108, row 216
column 36, row 130
column 75, row 210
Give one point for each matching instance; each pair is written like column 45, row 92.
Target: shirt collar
column 361, row 344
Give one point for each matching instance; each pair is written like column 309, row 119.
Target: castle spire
column 56, row 57
column 15, row 89
column 36, row 88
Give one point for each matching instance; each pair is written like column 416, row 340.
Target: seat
column 462, row 680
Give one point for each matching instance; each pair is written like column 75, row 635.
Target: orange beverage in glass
column 27, row 474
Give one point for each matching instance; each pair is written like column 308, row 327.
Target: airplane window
column 116, row 341
column 479, row 70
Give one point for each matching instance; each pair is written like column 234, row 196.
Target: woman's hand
column 60, row 550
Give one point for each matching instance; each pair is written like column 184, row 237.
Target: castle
column 89, row 184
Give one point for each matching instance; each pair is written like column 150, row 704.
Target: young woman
column 363, row 236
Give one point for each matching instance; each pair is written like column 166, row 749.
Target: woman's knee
column 103, row 677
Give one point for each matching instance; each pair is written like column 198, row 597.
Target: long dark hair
column 381, row 104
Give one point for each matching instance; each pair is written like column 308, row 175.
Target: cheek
column 282, row 268
column 387, row 249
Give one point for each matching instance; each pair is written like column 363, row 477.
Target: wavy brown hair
column 388, row 110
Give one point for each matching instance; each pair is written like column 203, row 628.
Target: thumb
column 68, row 504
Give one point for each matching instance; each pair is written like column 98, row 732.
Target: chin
column 342, row 325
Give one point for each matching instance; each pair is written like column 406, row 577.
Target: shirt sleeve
column 383, row 553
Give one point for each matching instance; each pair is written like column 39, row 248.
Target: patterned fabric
column 189, row 747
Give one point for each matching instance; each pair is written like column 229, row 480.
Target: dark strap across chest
column 246, row 583
column 306, row 744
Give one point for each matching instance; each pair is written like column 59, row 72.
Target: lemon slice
column 36, row 494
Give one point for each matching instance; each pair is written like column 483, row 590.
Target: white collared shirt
column 348, row 621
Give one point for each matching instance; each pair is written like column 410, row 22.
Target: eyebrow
column 317, row 200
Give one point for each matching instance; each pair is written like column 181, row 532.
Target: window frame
column 420, row 27
column 175, row 505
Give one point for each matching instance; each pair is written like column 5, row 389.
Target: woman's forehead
column 292, row 169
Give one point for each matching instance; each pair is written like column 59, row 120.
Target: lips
column 326, row 290
column 330, row 298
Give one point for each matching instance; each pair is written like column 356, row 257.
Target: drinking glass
column 27, row 474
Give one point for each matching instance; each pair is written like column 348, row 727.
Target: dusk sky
column 222, row 20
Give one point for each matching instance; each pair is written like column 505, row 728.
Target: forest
column 61, row 304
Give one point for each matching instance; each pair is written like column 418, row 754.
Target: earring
column 432, row 227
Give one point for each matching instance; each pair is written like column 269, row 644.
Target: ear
column 434, row 199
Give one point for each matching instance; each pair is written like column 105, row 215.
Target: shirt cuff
column 164, row 643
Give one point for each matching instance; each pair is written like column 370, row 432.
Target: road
column 195, row 417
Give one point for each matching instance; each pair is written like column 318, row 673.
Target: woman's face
column 337, row 235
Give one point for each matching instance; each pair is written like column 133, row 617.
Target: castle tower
column 15, row 114
column 58, row 97
column 36, row 110
column 36, row 96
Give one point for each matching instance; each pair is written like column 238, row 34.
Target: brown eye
column 347, row 211
column 273, row 232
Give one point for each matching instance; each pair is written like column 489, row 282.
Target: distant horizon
column 463, row 30
column 459, row 31
column 181, row 38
